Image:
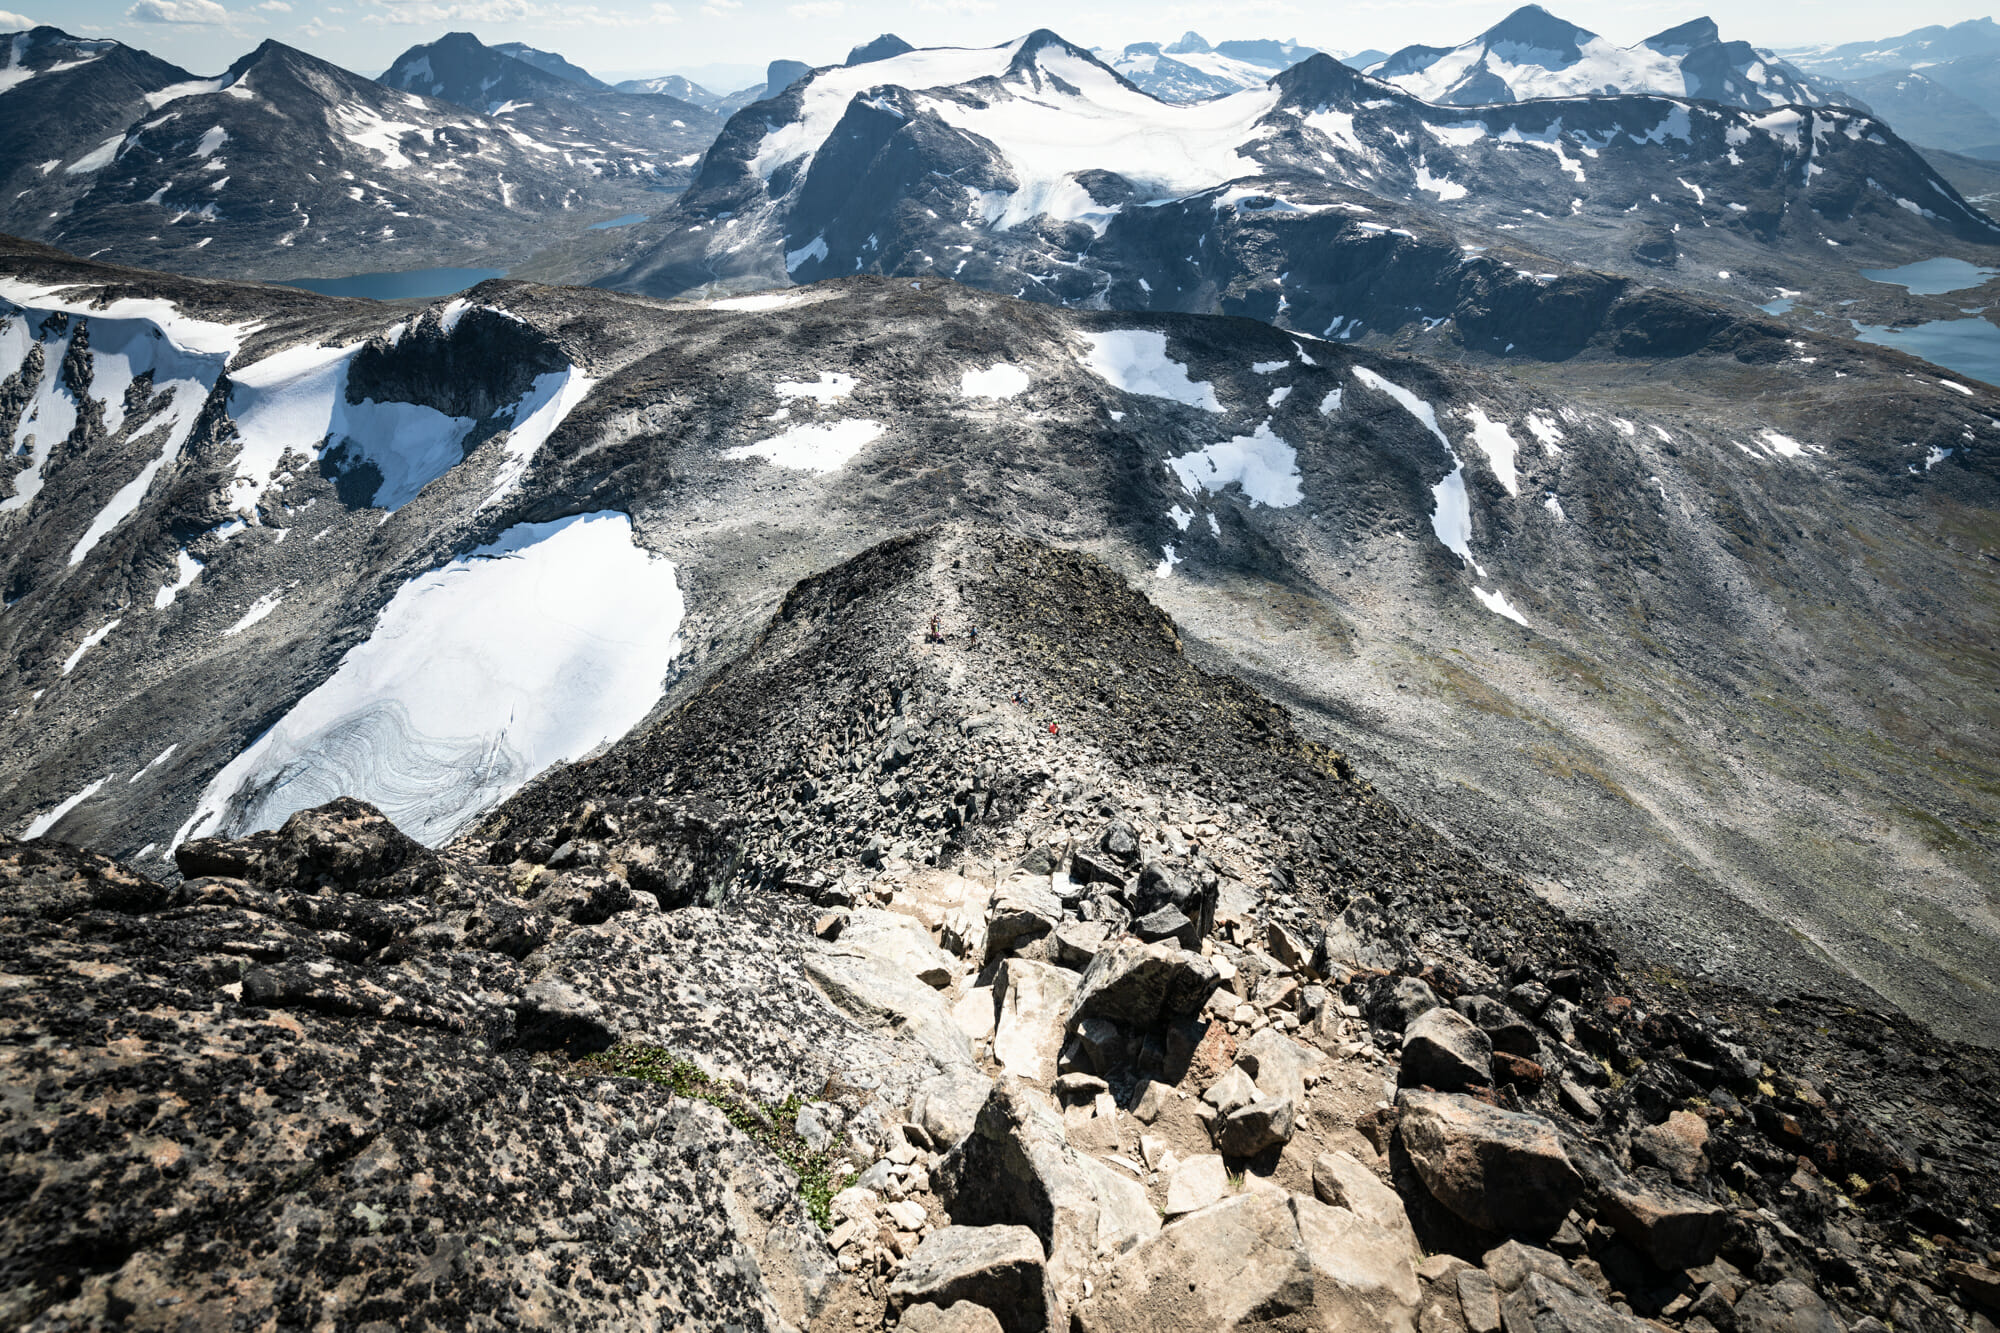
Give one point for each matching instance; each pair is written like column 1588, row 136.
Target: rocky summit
column 962, row 955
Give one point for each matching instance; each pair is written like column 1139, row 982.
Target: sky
column 725, row 40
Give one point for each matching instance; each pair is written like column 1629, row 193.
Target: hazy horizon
column 726, row 43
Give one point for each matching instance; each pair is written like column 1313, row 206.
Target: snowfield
column 531, row 650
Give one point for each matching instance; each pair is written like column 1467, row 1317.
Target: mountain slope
column 1033, row 169
column 287, row 166
column 766, row 1003
column 1531, row 53
column 1664, row 634
column 67, row 103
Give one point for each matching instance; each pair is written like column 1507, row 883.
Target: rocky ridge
column 1032, row 981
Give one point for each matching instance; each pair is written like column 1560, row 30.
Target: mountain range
column 1533, row 54
column 286, row 166
column 1328, row 201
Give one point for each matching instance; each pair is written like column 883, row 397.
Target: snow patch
column 1497, row 443
column 1136, row 361
column 38, row 826
column 829, row 388
column 1260, row 463
column 90, row 640
column 535, row 649
column 998, row 381
column 1496, row 602
column 812, row 448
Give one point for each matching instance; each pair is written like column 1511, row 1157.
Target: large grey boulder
column 1034, row 1006
column 1278, row 1064
column 999, row 1267
column 1017, row 1168
column 947, row 1106
column 1143, row 984
column 1261, row 1260
column 900, row 940
column 1499, row 1170
column 1508, row 1030
column 1024, row 906
column 1342, row 1182
column 1395, row 1004
column 1443, row 1049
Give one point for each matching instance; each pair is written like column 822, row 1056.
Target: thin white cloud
column 274, row 7
column 956, row 6
column 817, row 9
column 721, row 9
column 177, row 11
column 9, row 19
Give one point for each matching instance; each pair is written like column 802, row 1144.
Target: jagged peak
column 1190, row 43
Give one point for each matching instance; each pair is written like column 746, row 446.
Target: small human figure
column 934, row 636
column 972, row 636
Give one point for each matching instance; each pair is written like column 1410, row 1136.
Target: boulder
column 1442, row 1049
column 344, row 846
column 1195, row 1184
column 947, row 1106
column 1261, row 1260
column 871, row 983
column 999, row 1267
column 1542, row 1305
column 1678, row 1146
column 1165, row 923
column 900, row 939
column 1787, row 1307
column 1278, row 1064
column 1672, row 1228
column 1500, row 1170
column 1034, row 1001
column 1359, row 937
column 1023, row 906
column 1342, row 1182
column 1016, row 1168
column 1511, row 1264
column 975, row 1013
column 1077, row 942
column 964, row 1317
column 1234, row 1089
column 1143, row 984
column 1249, row 1130
column 1396, row 1002
column 1478, row 1301
column 1507, row 1029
